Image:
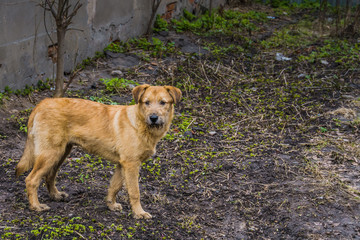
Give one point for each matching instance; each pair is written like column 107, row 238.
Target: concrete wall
column 24, row 40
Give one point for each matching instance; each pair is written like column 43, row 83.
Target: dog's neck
column 152, row 135
column 130, row 111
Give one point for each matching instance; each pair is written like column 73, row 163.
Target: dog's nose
column 154, row 118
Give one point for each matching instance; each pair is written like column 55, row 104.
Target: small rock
column 131, row 86
column 285, row 157
column 347, row 96
column 188, row 134
column 197, row 129
column 281, row 57
column 164, row 33
column 114, row 54
column 212, row 133
column 324, row 62
column 14, row 111
column 116, row 73
column 301, row 75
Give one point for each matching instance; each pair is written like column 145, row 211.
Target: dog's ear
column 139, row 91
column 174, row 92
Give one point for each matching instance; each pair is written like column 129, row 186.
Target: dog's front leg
column 131, row 174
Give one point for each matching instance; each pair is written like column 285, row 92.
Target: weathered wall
column 24, row 40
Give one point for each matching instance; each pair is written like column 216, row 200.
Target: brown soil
column 256, row 151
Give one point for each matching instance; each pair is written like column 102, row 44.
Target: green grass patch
column 342, row 52
column 292, row 37
column 153, row 48
column 228, row 22
column 117, row 84
column 160, row 24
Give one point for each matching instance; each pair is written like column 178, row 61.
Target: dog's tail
column 27, row 160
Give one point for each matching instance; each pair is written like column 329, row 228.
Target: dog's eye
column 147, row 103
column 162, row 103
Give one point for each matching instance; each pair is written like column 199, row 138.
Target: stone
column 188, row 134
column 116, row 73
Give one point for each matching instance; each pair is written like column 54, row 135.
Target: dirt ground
column 260, row 148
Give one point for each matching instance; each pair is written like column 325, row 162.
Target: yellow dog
column 124, row 135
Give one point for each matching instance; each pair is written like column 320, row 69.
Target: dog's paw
column 40, row 208
column 142, row 215
column 59, row 196
column 114, row 206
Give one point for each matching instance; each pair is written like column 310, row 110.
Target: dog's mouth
column 155, row 125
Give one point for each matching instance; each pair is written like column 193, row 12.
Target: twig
column 245, row 104
column 75, row 29
column 190, row 124
column 284, row 76
column 204, row 72
column 71, row 78
column 46, row 29
column 80, row 235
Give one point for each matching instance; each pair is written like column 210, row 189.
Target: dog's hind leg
column 44, row 163
column 50, row 177
column 116, row 184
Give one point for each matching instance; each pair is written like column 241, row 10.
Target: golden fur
column 124, row 135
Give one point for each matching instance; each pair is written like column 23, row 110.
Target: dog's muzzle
column 154, row 121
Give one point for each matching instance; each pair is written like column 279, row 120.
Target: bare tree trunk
column 60, row 34
column 155, row 6
column 356, row 18
column 323, row 9
column 347, row 12
column 351, row 26
column 210, row 8
column 60, row 11
column 338, row 18
column 59, row 87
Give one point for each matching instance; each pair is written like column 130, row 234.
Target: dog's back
column 56, row 122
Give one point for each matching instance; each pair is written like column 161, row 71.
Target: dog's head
column 156, row 103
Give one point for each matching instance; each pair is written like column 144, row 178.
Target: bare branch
column 47, row 32
column 74, row 29
column 50, row 8
column 71, row 78
column 75, row 10
column 62, row 4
